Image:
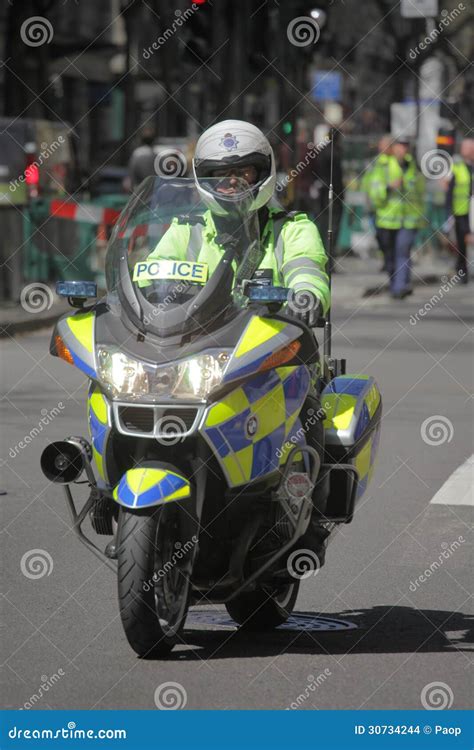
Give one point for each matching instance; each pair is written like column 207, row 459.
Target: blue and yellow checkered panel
column 350, row 402
column 364, row 462
column 77, row 332
column 144, row 487
column 98, row 416
column 248, row 428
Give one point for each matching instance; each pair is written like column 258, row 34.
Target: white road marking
column 459, row 488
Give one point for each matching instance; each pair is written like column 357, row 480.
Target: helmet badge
column 229, row 142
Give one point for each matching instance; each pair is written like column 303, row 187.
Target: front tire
column 153, row 585
column 264, row 609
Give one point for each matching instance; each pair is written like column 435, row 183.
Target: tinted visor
column 208, row 167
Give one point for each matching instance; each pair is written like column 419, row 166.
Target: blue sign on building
column 327, row 86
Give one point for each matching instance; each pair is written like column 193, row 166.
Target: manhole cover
column 301, row 622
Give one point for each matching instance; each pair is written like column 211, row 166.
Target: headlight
column 191, row 379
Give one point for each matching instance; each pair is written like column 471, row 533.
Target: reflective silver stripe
column 279, row 253
column 298, row 264
column 312, row 273
column 195, row 242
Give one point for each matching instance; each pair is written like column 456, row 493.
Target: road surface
column 397, row 577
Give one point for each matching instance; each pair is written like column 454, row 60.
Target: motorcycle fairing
column 364, row 461
column 143, row 487
column 350, row 402
column 248, row 427
column 98, row 414
column 77, row 334
column 353, row 405
column 260, row 338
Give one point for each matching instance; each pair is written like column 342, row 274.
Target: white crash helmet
column 234, row 143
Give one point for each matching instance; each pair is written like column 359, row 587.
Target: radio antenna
column 327, row 325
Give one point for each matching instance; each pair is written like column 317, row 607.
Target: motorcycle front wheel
column 153, row 578
column 264, row 608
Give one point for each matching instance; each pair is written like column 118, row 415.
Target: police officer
column 412, row 217
column 378, row 167
column 397, row 191
column 229, row 156
column 459, row 199
column 234, row 163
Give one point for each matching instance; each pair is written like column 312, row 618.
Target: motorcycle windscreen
column 177, row 253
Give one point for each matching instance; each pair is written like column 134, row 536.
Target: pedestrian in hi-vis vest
column 396, row 189
column 459, row 203
column 384, row 148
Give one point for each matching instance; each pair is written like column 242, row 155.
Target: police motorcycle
column 198, row 459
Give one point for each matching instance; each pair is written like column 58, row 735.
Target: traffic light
column 287, row 127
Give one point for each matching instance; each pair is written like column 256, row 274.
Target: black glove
column 304, row 306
